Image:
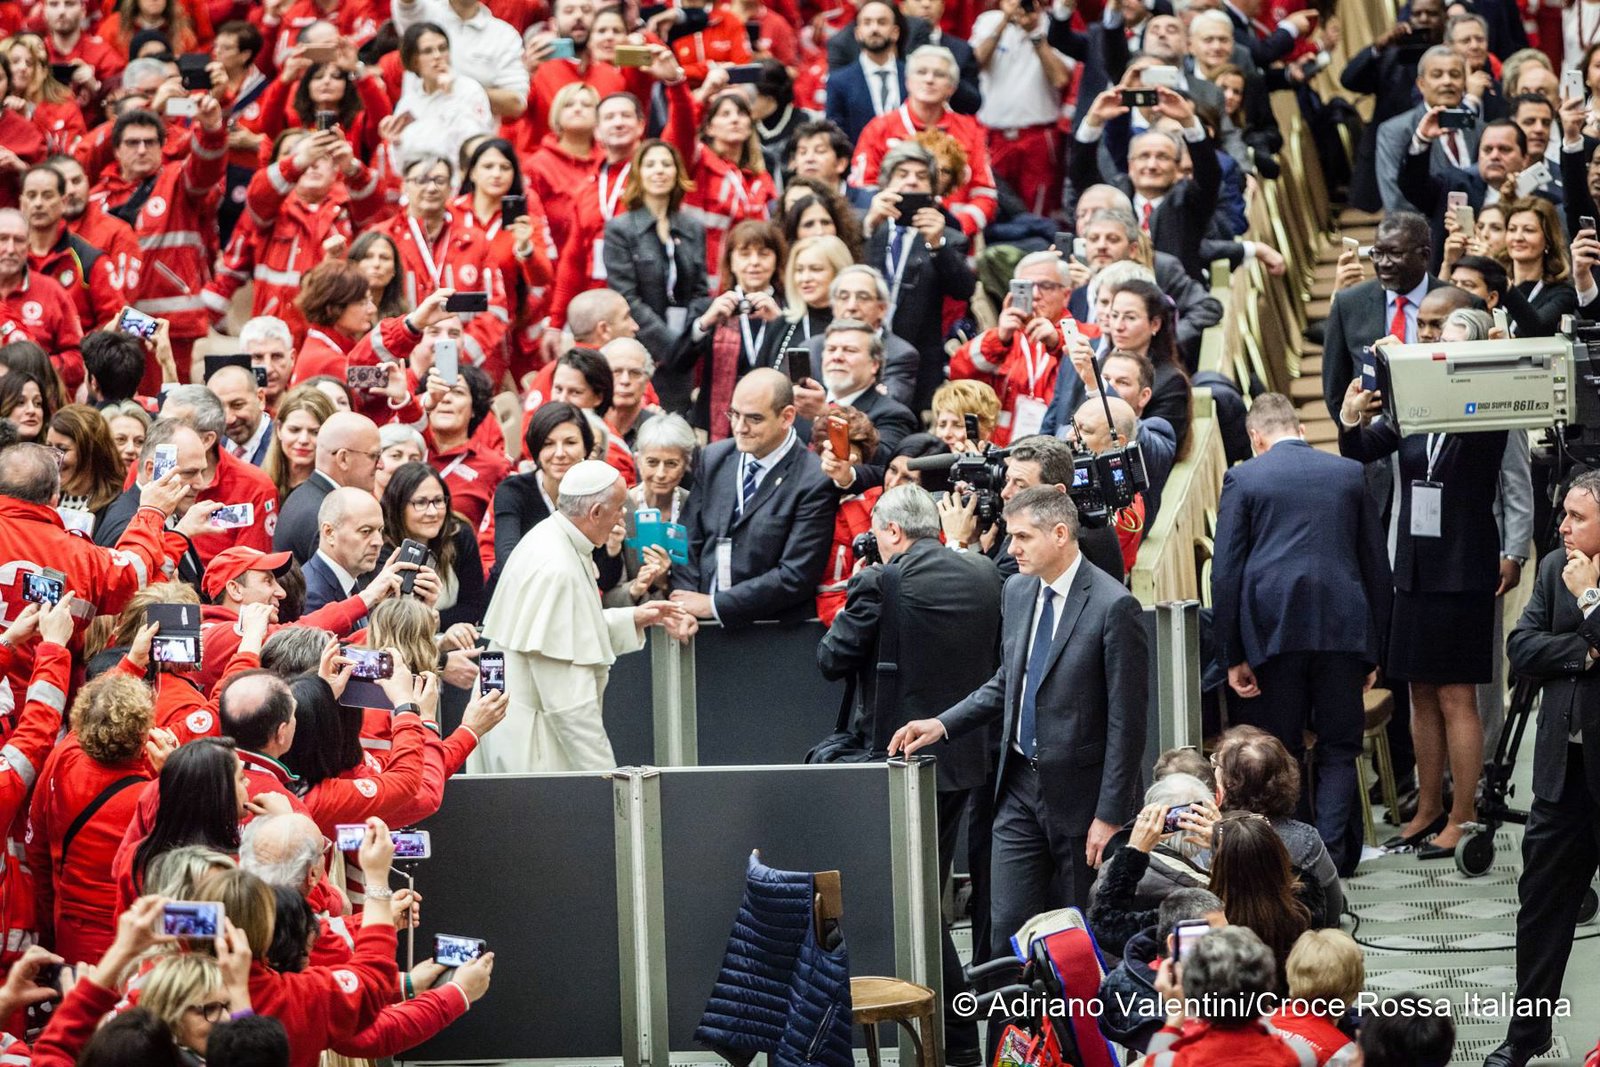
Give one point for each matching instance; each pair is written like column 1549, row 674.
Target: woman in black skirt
column 1441, row 634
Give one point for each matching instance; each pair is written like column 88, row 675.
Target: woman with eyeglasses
column 471, row 465
column 445, row 107
column 193, row 992
column 418, row 504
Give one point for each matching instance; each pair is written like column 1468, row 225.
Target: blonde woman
column 193, row 992
column 953, row 402
column 807, row 276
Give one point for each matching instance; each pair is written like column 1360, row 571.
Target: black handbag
column 845, row 745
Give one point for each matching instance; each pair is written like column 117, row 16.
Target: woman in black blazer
column 655, row 256
column 1441, row 631
column 1140, row 319
column 557, row 439
column 1536, row 259
column 417, row 505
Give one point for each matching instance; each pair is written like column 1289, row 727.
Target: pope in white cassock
column 558, row 640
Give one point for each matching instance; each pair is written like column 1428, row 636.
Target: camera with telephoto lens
column 864, row 547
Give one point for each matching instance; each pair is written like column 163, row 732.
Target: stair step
column 1306, row 389
column 1311, row 367
column 1321, row 433
column 1318, row 309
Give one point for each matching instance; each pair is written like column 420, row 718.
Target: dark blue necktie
column 1043, row 635
column 751, row 470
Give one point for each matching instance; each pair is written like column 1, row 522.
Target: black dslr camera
column 1105, row 484
column 864, row 547
column 984, row 475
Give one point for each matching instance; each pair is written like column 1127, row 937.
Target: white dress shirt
column 347, row 581
column 875, row 85
column 1062, row 586
column 248, row 449
column 484, row 48
column 764, row 465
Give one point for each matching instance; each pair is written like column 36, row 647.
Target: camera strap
column 100, row 801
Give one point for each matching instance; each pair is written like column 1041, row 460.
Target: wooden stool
column 1379, row 705
column 894, row 1000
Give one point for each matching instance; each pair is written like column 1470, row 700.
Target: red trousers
column 1029, row 160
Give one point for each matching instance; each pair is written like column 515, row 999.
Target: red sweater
column 323, row 1006
column 392, row 795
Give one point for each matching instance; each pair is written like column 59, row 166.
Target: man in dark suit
column 349, row 540
column 873, row 82
column 1442, row 81
column 249, row 431
column 1266, row 45
column 924, row 258
column 945, row 650
column 851, row 358
column 760, row 519
column 1174, row 210
column 861, row 292
column 190, row 514
column 1388, row 304
column 347, row 455
column 1104, row 48
column 1555, row 644
column 1502, row 152
column 1070, row 694
column 1297, row 635
column 918, row 26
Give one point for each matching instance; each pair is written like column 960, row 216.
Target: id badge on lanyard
column 1427, row 496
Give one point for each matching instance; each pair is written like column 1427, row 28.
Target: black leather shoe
column 1435, row 852
column 1509, row 1055
column 1400, row 841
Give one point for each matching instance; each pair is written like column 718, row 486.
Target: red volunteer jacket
column 40, row 310
column 724, row 194
column 89, row 275
column 328, row 351
column 975, row 202
column 1022, row 374
column 219, row 632
column 176, row 227
column 21, row 758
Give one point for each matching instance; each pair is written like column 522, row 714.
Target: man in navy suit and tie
column 760, row 519
column 875, row 84
column 350, row 532
column 249, row 429
column 1300, row 584
column 1071, row 693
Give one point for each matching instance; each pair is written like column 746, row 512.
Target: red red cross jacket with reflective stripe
column 176, row 227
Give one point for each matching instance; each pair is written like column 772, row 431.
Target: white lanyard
column 1435, row 446
column 897, row 271
column 608, row 201
column 1537, row 288
column 736, row 178
column 671, row 247
column 434, row 270
column 752, row 343
column 905, row 120
column 1034, row 371
column 453, row 464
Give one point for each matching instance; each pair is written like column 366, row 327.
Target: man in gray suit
column 1442, row 81
column 1071, row 693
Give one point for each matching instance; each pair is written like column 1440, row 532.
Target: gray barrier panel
column 760, row 699
column 528, row 863
column 802, row 819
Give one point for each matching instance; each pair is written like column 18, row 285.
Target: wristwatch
column 1589, row 599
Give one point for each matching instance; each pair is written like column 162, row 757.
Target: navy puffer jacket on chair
column 779, row 991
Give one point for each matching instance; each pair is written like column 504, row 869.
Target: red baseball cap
column 232, row 562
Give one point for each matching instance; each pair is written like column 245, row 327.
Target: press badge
column 1029, row 417
column 1427, row 508
column 724, row 563
column 598, row 273
column 676, row 318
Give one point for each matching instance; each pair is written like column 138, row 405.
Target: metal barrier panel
column 1177, row 651
column 528, row 863
column 758, row 698
column 821, row 818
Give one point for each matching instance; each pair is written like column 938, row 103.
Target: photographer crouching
column 913, row 650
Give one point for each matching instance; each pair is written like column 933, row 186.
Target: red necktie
column 1144, row 219
column 1450, row 148
column 1397, row 326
